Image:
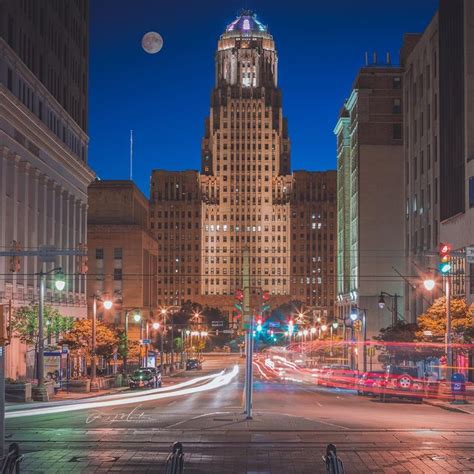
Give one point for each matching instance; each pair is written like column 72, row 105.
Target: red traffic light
column 444, row 249
column 266, row 296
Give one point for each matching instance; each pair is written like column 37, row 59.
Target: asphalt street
column 289, row 417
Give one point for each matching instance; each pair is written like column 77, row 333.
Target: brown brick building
column 313, row 239
column 245, row 194
column 122, row 251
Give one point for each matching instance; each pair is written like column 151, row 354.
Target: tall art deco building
column 245, row 195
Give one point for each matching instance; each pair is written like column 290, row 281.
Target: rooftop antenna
column 375, row 57
column 131, row 155
column 389, row 59
column 366, row 58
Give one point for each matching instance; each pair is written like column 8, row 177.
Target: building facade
column 43, row 149
column 370, row 196
column 439, row 137
column 122, row 253
column 245, row 194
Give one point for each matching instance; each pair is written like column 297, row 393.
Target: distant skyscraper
column 245, row 193
column 43, row 148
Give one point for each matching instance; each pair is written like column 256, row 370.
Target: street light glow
column 305, row 332
column 335, row 324
column 429, row 284
column 155, row 325
column 163, row 311
column 108, row 304
column 59, row 281
column 313, row 330
column 137, row 317
column 324, row 328
column 354, row 316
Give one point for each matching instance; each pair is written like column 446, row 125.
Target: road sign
column 371, row 351
column 228, row 331
column 215, row 324
column 469, row 254
column 146, row 341
column 274, row 324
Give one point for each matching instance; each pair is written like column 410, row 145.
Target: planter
column 18, row 392
column 81, row 385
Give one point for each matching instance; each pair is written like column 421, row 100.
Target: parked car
column 368, row 384
column 157, row 373
column 401, row 382
column 193, row 364
column 143, row 378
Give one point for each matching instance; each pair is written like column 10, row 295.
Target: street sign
column 469, row 254
column 274, row 324
column 228, row 331
column 427, row 333
column 217, row 323
column 146, row 341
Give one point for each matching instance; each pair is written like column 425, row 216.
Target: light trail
column 218, row 380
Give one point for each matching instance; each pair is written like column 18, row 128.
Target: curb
column 456, row 409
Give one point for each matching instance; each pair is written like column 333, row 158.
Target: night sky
column 165, row 97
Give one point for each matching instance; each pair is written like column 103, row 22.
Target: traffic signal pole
column 449, row 347
column 248, row 325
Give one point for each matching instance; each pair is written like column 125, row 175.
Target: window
column 118, row 253
column 397, row 131
column 117, row 274
column 397, row 106
column 471, row 191
column 397, row 82
column 99, row 254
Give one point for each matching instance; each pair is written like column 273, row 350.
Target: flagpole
column 131, row 155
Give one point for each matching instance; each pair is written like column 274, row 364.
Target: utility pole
column 94, row 384
column 248, row 325
column 449, row 348
column 3, row 343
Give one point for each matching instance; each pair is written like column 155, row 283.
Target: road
column 292, row 424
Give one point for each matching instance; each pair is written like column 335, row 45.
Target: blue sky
column 165, row 97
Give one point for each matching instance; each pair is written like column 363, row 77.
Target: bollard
column 175, row 459
column 11, row 462
column 333, row 464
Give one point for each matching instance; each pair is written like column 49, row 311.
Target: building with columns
column 370, row 198
column 245, row 194
column 43, row 151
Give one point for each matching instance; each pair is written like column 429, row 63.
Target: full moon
column 152, row 42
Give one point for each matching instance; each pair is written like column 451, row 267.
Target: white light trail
column 217, row 380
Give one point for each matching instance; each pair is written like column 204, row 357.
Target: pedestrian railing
column 333, row 464
column 11, row 462
column 175, row 460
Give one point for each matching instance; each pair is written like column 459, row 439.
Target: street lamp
column 395, row 305
column 354, row 316
column 136, row 317
column 59, row 283
column 94, row 387
column 429, row 284
column 155, row 326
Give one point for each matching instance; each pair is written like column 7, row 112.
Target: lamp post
column 94, row 387
column 333, row 326
column 136, row 317
column 355, row 315
column 59, row 283
column 395, row 305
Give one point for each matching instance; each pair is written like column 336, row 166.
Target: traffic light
column 15, row 262
column 82, row 265
column 445, row 258
column 239, row 296
column 265, row 300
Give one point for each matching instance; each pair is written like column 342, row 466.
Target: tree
column 394, row 351
column 434, row 321
column 79, row 338
column 25, row 323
